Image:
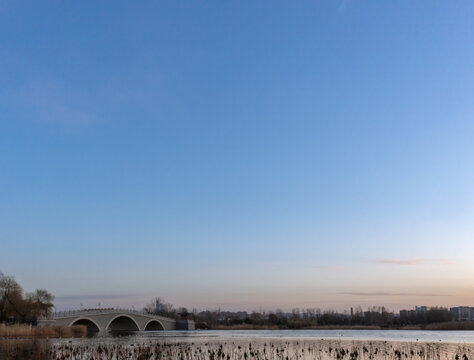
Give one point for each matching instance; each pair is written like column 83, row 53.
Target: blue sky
column 238, row 154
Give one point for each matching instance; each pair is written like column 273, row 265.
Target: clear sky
column 238, row 154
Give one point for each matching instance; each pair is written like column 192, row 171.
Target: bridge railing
column 85, row 312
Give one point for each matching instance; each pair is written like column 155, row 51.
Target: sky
column 238, row 154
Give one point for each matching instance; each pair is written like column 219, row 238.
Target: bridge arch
column 154, row 325
column 122, row 322
column 92, row 326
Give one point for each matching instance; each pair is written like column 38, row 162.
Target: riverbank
column 274, row 327
column 451, row 325
column 32, row 332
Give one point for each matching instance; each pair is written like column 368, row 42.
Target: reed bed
column 262, row 350
column 31, row 332
column 25, row 350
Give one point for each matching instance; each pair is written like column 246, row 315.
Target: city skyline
column 240, row 155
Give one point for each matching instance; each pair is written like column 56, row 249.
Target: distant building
column 417, row 310
column 420, row 309
column 409, row 315
column 462, row 313
column 158, row 306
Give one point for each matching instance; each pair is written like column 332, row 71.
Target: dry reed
column 18, row 331
column 261, row 350
column 25, row 350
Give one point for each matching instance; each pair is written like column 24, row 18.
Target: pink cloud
column 388, row 294
column 415, row 261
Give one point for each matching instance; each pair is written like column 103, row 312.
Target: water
column 450, row 336
column 256, row 345
column 273, row 345
column 445, row 336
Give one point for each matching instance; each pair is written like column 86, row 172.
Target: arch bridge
column 115, row 320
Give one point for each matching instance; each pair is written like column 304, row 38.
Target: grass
column 31, row 332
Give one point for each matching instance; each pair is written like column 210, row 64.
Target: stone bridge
column 115, row 320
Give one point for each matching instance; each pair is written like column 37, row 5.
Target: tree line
column 16, row 306
column 304, row 318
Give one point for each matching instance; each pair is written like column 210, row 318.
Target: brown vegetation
column 411, row 327
column 25, row 350
column 31, row 332
column 245, row 327
column 258, row 349
column 275, row 327
column 451, row 325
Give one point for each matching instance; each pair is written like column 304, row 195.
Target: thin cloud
column 443, row 261
column 344, row 4
column 51, row 102
column 416, row 261
column 401, row 262
column 386, row 294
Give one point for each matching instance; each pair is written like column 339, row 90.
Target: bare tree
column 159, row 307
column 22, row 309
column 40, row 303
column 11, row 298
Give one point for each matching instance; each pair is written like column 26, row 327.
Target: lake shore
column 450, row 325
